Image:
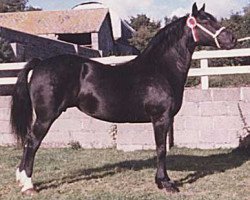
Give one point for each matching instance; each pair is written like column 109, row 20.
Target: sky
column 155, row 9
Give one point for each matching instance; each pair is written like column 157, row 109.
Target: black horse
column 146, row 89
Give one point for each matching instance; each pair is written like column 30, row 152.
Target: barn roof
column 46, row 22
column 116, row 22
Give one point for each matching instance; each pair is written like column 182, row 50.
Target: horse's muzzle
column 227, row 40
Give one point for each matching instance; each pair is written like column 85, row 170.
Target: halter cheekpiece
column 192, row 24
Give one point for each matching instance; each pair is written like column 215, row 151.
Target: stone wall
column 214, row 118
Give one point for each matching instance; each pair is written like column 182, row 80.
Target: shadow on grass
column 198, row 166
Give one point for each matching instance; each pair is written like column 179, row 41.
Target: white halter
column 192, row 23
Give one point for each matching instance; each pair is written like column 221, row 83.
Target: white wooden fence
column 204, row 71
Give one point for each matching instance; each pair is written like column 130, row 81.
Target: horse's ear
column 194, row 10
column 203, row 7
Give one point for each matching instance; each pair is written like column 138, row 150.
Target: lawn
column 110, row 174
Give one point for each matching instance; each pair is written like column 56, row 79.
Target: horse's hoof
column 29, row 192
column 172, row 189
column 169, row 186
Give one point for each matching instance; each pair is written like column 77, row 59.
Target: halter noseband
column 192, row 23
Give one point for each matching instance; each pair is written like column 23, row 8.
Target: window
column 83, row 39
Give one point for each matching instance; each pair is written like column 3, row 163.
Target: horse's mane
column 167, row 36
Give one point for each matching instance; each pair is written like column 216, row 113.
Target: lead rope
column 192, row 23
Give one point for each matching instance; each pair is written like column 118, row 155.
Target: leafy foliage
column 239, row 24
column 6, row 53
column 15, row 6
column 168, row 20
column 12, row 5
column 145, row 30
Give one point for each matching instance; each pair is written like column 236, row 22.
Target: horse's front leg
column 162, row 125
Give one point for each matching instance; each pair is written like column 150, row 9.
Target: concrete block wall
column 208, row 119
column 75, row 126
column 72, row 126
column 5, row 136
column 214, row 118
column 211, row 118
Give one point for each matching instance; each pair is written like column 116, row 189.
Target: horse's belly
column 112, row 112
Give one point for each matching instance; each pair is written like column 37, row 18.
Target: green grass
column 111, row 174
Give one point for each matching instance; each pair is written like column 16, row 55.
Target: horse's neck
column 172, row 51
column 175, row 65
column 175, row 61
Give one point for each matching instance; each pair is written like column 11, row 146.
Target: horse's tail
column 21, row 115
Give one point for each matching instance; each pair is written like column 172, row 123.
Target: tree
column 6, row 53
column 12, row 5
column 15, row 6
column 168, row 20
column 145, row 30
column 239, row 24
column 31, row 8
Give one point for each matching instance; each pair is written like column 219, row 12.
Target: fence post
column 204, row 79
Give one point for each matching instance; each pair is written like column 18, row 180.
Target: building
column 86, row 26
column 121, row 30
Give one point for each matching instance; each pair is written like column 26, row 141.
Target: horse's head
column 207, row 31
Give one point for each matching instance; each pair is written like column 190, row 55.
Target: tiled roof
column 46, row 22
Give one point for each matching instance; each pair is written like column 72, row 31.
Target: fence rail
column 204, row 71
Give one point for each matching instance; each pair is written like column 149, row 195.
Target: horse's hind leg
column 33, row 141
